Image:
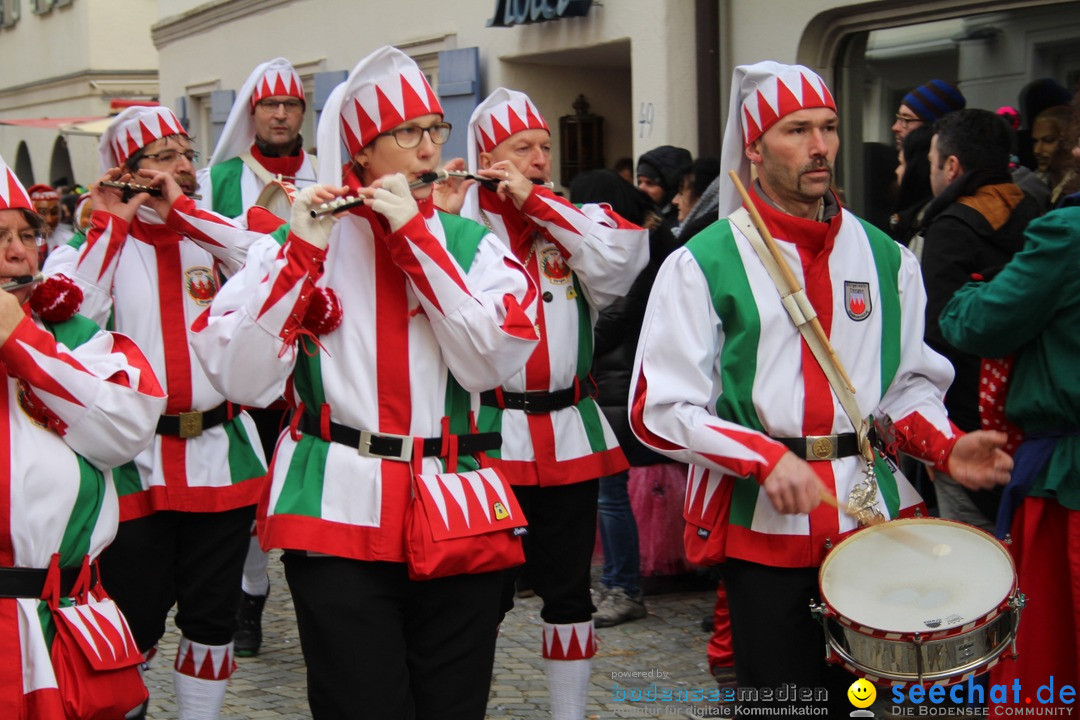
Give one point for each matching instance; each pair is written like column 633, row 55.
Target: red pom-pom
column 57, row 299
column 323, row 313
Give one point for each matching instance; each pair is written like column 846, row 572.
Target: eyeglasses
column 410, row 136
column 904, row 120
column 30, row 239
column 168, row 157
column 292, row 107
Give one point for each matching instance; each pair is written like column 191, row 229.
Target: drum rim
column 275, row 185
column 963, row 629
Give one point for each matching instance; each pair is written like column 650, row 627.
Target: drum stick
column 789, row 277
column 22, row 281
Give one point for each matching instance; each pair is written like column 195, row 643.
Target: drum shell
column 930, row 656
column 945, row 661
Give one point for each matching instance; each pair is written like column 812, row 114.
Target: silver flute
column 428, row 178
column 21, row 281
column 132, row 188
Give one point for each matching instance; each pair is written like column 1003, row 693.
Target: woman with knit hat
column 372, row 322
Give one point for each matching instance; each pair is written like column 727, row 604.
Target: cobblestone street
column 666, row 648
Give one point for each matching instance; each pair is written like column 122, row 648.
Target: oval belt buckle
column 822, row 447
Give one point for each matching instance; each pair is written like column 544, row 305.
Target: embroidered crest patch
column 554, row 266
column 857, row 300
column 200, row 285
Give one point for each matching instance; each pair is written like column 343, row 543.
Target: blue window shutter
column 221, row 102
column 460, row 93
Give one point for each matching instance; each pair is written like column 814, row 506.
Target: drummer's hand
column 170, row 191
column 111, row 200
column 392, row 198
column 978, row 462
column 512, row 183
column 793, row 487
column 314, row 230
column 449, row 196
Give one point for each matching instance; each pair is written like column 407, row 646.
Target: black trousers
column 379, row 645
column 558, row 549
column 192, row 560
column 775, row 638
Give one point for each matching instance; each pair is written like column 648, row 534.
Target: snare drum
column 919, row 601
column 278, row 197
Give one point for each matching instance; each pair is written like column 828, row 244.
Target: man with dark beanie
column 924, row 105
column 658, row 174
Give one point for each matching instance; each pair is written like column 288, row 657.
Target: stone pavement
column 665, row 652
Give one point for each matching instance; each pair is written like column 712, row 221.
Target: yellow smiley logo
column 862, row 693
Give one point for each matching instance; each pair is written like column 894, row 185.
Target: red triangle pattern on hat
column 780, row 95
column 13, row 196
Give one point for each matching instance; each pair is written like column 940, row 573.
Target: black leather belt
column 536, row 402
column 822, row 447
column 396, row 447
column 30, row 582
column 191, row 424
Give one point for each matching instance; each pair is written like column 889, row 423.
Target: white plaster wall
column 335, row 34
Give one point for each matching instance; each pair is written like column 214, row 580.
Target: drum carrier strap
column 863, row 497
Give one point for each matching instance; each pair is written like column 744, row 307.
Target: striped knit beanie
column 934, row 99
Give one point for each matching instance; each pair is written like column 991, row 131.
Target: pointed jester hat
column 275, row 78
column 13, row 195
column 133, row 129
column 761, row 94
column 502, row 114
column 384, row 90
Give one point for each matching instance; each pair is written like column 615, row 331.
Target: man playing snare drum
column 724, row 381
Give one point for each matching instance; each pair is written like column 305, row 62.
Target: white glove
column 394, row 201
column 314, row 231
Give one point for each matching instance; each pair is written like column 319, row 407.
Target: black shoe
column 141, row 714
column 248, row 637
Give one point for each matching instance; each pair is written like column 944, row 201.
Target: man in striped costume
column 556, row 441
column 187, row 502
column 724, row 381
column 261, row 142
column 78, row 401
column 424, row 307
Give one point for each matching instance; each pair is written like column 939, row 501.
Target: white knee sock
column 568, row 683
column 255, row 581
column 200, row 677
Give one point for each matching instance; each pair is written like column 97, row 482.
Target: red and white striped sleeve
column 483, row 316
column 96, row 266
column 246, row 340
column 604, row 250
column 226, row 239
column 101, row 396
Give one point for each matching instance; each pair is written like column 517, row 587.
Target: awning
column 91, row 127
column 50, row 123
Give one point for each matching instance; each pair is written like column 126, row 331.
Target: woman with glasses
column 373, row 324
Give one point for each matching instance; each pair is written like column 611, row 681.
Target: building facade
column 65, row 61
column 653, row 72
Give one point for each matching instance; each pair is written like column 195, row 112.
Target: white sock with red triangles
column 568, row 649
column 200, row 677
